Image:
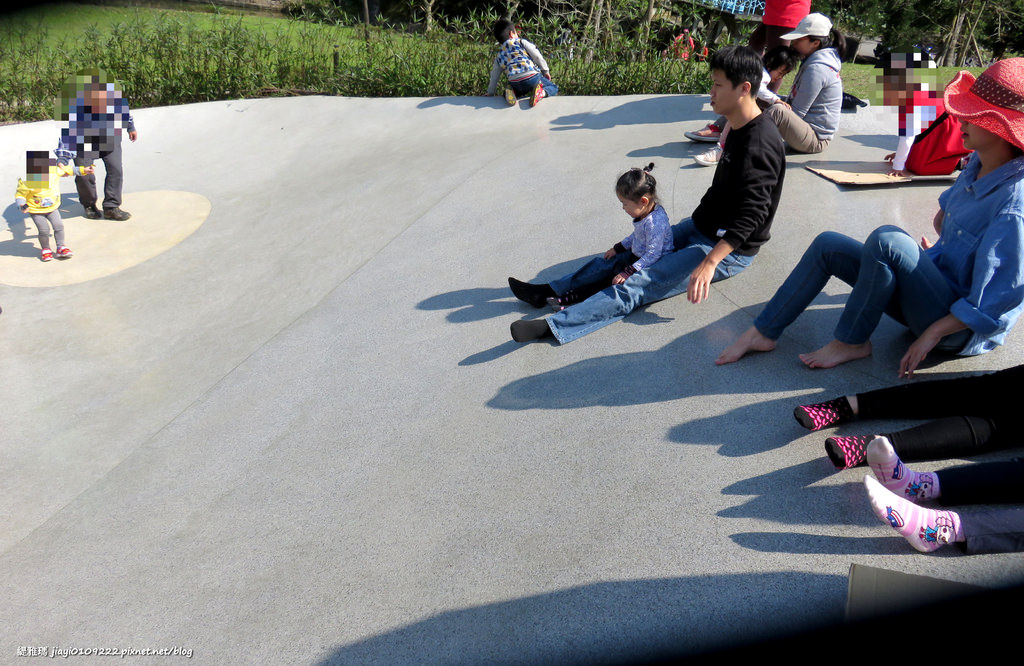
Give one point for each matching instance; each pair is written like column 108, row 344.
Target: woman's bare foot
column 752, row 340
column 836, row 353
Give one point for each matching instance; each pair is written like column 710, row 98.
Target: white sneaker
column 710, row 158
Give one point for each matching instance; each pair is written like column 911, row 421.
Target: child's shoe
column 46, row 254
column 64, row 252
column 538, row 94
column 510, row 97
column 709, row 158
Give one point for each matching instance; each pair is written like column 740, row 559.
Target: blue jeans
column 668, row 277
column 525, row 87
column 889, row 274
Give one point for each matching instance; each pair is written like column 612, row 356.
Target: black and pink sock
column 824, row 414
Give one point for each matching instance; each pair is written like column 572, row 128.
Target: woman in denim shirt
column 961, row 295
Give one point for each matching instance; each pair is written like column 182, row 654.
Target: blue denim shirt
column 981, row 251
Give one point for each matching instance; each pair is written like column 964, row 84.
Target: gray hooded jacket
column 817, row 94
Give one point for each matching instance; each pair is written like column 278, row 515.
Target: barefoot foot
column 752, row 340
column 836, row 353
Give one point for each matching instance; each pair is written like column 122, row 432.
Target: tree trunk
column 953, row 41
column 428, row 13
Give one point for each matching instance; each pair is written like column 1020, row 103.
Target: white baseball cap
column 813, row 25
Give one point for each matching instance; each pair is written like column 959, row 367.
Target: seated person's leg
column 596, row 270
column 892, row 264
column 999, row 482
column 830, row 254
column 997, row 531
column 798, row 135
column 667, row 277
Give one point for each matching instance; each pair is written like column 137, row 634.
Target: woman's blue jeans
column 669, row 276
column 889, row 274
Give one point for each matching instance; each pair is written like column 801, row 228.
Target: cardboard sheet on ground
column 866, row 173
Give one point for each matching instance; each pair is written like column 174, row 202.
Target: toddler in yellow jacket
column 39, row 196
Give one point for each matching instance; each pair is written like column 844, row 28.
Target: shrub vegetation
column 168, row 57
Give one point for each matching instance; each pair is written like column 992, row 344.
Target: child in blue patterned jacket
column 525, row 68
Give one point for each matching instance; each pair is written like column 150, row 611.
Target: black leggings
column 975, row 414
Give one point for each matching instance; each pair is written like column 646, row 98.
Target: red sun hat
column 994, row 101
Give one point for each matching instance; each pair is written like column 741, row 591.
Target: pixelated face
column 91, row 88
column 37, row 168
column 903, row 75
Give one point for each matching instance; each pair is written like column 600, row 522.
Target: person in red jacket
column 780, row 17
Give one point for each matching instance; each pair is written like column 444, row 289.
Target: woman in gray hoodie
column 810, row 118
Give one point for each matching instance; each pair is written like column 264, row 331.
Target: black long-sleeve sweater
column 740, row 204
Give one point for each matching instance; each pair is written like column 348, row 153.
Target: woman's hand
column 620, row 278
column 610, row 254
column 915, row 354
column 926, row 342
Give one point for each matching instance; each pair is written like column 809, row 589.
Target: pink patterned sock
column 824, row 414
column 897, row 477
column 924, row 529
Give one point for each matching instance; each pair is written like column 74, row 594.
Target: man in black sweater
column 725, row 232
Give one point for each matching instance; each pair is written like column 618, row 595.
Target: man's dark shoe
column 526, row 330
column 116, row 214
column 92, row 213
column 534, row 294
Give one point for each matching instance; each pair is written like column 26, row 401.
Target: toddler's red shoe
column 46, row 254
column 538, row 94
column 64, row 252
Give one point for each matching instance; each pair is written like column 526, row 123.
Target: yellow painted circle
column 160, row 220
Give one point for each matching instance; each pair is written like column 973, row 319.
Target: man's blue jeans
column 889, row 274
column 668, row 277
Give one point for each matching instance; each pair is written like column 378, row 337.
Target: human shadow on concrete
column 682, row 368
column 481, row 102
column 670, row 150
column 479, row 303
column 635, row 378
column 648, row 111
column 796, row 543
column 25, row 241
column 789, row 496
column 613, row 622
column 25, row 235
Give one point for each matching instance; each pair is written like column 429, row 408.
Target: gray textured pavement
column 300, row 432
